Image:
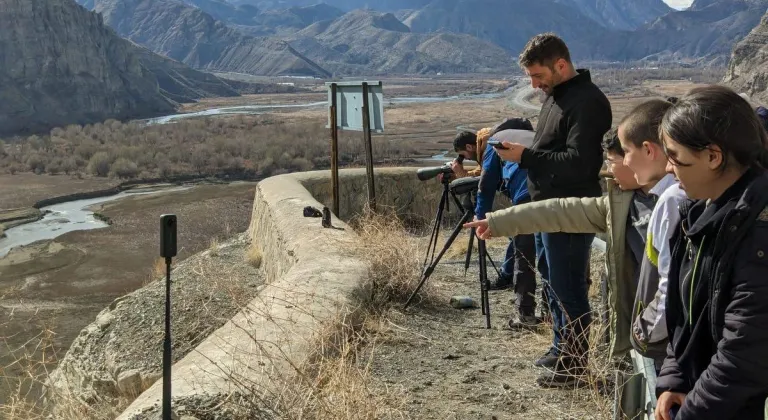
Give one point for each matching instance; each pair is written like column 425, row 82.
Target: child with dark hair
column 644, row 155
column 717, row 303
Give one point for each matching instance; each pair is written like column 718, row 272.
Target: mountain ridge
column 188, row 34
column 748, row 67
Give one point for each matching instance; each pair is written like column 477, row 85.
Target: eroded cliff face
column 59, row 64
column 748, row 68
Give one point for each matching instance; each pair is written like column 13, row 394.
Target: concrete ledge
column 310, row 272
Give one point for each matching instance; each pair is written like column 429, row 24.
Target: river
column 260, row 109
column 63, row 218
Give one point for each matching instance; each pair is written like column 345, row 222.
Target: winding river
column 63, row 218
column 260, row 109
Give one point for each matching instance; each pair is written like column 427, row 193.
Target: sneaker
column 525, row 322
column 548, row 360
column 501, row 283
column 568, row 372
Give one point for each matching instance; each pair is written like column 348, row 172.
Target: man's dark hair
column 462, row 139
column 513, row 124
column 611, row 143
column 544, row 49
column 642, row 123
column 717, row 116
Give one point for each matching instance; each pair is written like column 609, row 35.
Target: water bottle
column 462, row 302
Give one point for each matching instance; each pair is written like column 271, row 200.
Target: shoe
column 555, row 379
column 548, row 360
column 501, row 283
column 525, row 322
column 562, row 376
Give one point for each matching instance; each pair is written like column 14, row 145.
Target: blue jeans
column 519, row 267
column 567, row 256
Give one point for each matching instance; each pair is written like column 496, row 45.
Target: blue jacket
column 498, row 175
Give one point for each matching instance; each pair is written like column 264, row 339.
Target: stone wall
column 310, row 273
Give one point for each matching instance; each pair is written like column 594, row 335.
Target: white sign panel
column 349, row 105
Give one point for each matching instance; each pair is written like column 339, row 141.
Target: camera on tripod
column 463, row 186
column 453, row 189
column 425, row 174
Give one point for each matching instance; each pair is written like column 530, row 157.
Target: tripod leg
column 484, row 285
column 436, row 227
column 488, row 255
column 428, row 271
column 469, row 250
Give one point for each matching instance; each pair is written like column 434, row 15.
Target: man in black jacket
column 564, row 161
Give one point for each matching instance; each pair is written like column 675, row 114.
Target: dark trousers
column 567, row 256
column 520, row 267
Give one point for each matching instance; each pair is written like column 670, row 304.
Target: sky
column 678, row 4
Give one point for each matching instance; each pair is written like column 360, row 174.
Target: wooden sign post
column 357, row 106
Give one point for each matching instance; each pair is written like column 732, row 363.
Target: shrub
column 123, row 168
column 99, row 164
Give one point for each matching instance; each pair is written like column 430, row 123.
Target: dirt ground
column 442, row 363
column 60, row 286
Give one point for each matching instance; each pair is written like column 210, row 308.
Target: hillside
column 188, row 34
column 365, row 42
column 288, row 21
column 705, row 34
column 507, row 23
column 748, row 68
column 60, row 65
column 620, row 14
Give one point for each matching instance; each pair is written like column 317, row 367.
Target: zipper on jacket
column 693, row 280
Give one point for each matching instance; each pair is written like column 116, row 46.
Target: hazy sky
column 679, row 4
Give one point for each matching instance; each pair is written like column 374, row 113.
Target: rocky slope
column 620, row 14
column 706, row 33
column 59, row 64
column 365, row 42
column 120, row 353
column 188, row 34
column 748, row 68
column 507, row 23
column 288, row 21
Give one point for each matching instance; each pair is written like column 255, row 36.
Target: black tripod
column 466, row 187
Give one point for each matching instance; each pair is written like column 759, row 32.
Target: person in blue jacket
column 518, row 269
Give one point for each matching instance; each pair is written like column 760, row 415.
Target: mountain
column 369, row 42
column 705, row 33
column 748, row 67
column 345, row 5
column 620, row 14
column 59, row 64
column 188, row 34
column 288, row 21
column 223, row 10
column 508, row 23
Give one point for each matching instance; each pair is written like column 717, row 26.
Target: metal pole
column 334, row 151
column 368, row 149
column 167, row 344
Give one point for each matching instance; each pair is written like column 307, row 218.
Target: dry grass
column 333, row 386
column 254, row 256
column 27, row 375
column 393, row 258
column 214, row 248
column 157, row 272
